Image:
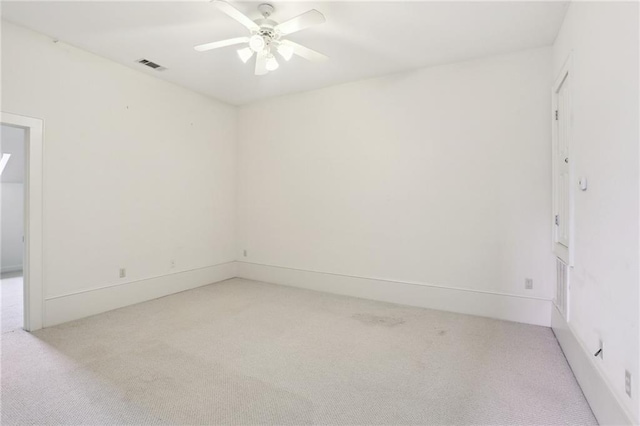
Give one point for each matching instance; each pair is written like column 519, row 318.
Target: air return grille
column 151, row 64
column 562, row 288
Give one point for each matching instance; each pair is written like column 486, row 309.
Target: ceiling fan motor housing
column 267, row 27
column 267, row 31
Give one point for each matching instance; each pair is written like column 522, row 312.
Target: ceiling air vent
column 150, row 64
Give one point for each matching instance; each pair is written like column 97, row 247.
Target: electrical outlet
column 123, row 272
column 245, row 253
column 627, row 382
column 528, row 283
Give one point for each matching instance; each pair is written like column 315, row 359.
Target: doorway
column 12, row 165
column 21, row 217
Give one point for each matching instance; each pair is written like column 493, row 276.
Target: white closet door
column 562, row 179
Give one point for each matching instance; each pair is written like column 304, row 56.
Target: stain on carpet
column 371, row 319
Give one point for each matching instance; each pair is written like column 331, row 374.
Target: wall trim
column 73, row 306
column 603, row 401
column 32, row 260
column 12, row 268
column 73, row 293
column 530, row 310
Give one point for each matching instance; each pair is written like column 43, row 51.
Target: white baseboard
column 74, row 306
column 494, row 305
column 603, row 401
column 13, row 268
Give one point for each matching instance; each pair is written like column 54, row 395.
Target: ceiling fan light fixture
column 285, row 51
column 272, row 64
column 265, row 37
column 256, row 43
column 245, row 54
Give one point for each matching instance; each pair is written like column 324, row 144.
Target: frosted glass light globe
column 256, row 43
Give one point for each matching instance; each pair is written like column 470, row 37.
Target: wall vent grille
column 562, row 288
column 151, row 64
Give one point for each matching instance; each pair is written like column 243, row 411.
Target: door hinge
column 557, row 220
column 556, row 114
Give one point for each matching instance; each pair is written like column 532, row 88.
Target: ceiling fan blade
column 305, row 52
column 236, row 14
column 221, row 43
column 261, row 63
column 300, row 22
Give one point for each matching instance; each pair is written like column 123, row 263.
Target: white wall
column 11, row 245
column 137, row 171
column 604, row 299
column 439, row 176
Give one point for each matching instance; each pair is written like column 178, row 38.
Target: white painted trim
column 603, row 401
column 69, row 307
column 524, row 309
column 86, row 290
column 33, row 218
column 12, row 268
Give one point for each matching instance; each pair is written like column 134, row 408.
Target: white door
column 562, row 164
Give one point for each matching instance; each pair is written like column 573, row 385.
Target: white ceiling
column 362, row 39
column 12, row 142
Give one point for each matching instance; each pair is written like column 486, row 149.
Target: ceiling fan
column 267, row 37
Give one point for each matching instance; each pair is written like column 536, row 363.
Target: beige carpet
column 11, row 301
column 243, row 352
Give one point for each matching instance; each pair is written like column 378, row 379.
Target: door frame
column 563, row 253
column 33, row 294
